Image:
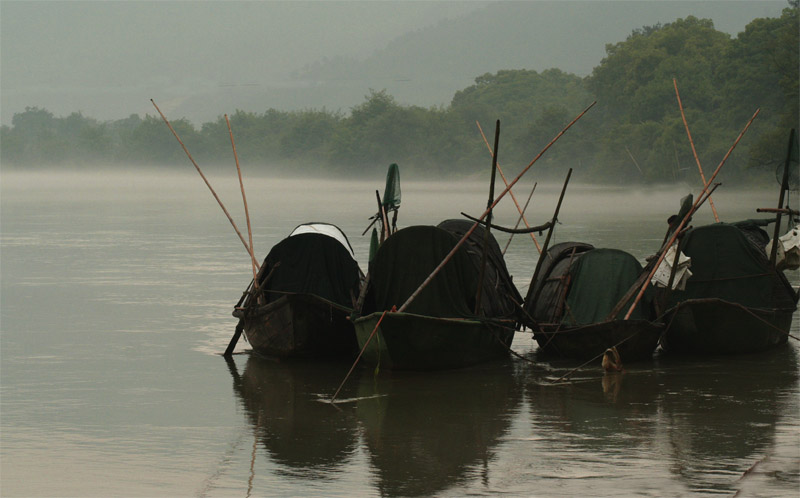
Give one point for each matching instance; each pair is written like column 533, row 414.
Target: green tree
column 761, row 71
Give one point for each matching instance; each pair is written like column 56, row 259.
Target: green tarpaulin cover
column 599, row 279
column 729, row 262
column 581, row 285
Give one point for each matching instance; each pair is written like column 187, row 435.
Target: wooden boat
column 735, row 301
column 577, row 289
column 738, row 300
column 440, row 328
column 305, row 293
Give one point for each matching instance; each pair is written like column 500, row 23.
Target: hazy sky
column 106, row 59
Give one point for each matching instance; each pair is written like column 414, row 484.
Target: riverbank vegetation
column 634, row 134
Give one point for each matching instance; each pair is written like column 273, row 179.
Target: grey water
column 116, row 292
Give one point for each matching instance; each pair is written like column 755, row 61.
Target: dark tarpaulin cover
column 406, row 259
column 729, row 262
column 312, row 263
column 499, row 292
column 599, row 279
column 581, row 285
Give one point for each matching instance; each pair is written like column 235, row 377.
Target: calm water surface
column 116, row 296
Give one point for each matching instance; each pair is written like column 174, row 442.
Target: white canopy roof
column 325, row 229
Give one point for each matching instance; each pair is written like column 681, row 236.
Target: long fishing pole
column 247, row 247
column 485, row 213
column 244, row 198
column 694, row 151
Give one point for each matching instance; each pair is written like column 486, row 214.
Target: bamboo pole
column 487, row 232
column 694, row 151
column 688, row 215
column 366, row 343
column 244, row 198
column 540, row 261
column 779, row 210
column 248, row 248
column 784, row 187
column 513, row 197
column 519, row 220
column 496, row 201
column 634, row 161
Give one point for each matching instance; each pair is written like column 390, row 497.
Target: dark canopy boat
column 736, row 301
column 306, row 289
column 573, row 297
column 440, row 328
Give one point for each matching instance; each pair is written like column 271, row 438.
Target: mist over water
column 116, row 292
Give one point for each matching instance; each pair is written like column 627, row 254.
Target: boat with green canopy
column 736, row 301
column 441, row 328
column 573, row 302
column 304, row 295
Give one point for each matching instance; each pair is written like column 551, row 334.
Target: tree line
column 635, row 132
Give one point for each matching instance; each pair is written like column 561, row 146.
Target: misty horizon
column 202, row 60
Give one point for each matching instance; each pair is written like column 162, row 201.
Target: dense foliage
column 634, row 133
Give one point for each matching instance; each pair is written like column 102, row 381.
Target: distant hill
column 427, row 66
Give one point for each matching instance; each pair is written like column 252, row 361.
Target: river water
column 115, row 302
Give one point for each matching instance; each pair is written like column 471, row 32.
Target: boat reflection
column 426, row 432
column 720, row 416
column 603, row 412
column 282, row 402
column 713, row 418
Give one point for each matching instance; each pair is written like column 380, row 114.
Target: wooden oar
column 232, row 344
column 703, row 195
column 513, row 197
column 694, row 151
column 246, row 246
column 485, row 213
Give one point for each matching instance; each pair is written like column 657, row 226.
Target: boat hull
column 404, row 341
column 635, row 340
column 299, row 325
column 716, row 326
